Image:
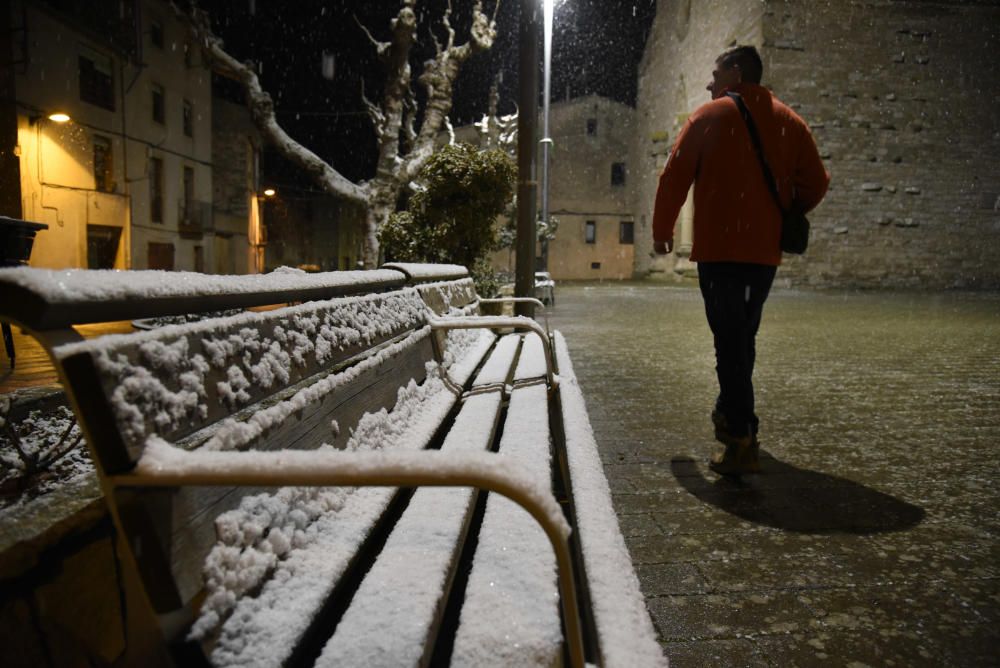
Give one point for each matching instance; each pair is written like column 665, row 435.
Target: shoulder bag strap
column 755, row 138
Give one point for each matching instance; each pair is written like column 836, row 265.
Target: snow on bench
column 497, row 367
column 511, row 611
column 400, row 602
column 189, row 423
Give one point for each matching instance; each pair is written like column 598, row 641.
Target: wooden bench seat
column 270, row 470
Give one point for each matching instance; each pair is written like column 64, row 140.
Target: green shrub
column 452, row 216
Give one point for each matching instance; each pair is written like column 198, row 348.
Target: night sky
column 596, row 49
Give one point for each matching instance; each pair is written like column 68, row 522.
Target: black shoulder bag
column 794, row 225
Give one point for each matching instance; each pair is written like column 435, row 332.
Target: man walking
column 737, row 227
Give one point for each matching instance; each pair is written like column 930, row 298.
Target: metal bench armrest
column 172, row 467
column 496, row 322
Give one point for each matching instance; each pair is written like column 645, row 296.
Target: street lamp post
column 546, row 137
column 527, row 187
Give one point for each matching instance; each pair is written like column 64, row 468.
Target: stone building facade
column 899, row 94
column 591, row 190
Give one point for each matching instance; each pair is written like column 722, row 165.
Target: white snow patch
column 65, row 285
column 497, row 367
column 424, row 272
column 391, row 614
column 625, row 631
column 511, row 611
column 531, row 363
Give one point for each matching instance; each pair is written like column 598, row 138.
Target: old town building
column 143, row 169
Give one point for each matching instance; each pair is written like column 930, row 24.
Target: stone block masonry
column 899, row 94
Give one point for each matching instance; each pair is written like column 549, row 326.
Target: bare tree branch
column 374, row 114
column 380, row 47
column 262, row 109
column 438, row 79
column 446, row 20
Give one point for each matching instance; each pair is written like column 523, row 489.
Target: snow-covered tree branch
column 402, row 148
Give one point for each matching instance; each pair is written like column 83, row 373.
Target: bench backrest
column 292, row 377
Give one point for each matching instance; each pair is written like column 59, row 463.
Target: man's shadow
column 793, row 499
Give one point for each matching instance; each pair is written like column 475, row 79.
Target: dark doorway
column 102, row 246
column 160, row 256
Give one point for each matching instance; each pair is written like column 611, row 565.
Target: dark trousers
column 734, row 295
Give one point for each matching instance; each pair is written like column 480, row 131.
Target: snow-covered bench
column 299, row 485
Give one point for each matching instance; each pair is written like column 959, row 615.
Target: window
column 103, row 165
column 592, row 126
column 626, row 232
column 590, row 232
column 160, row 256
column 188, row 202
column 156, row 33
column 96, row 79
column 102, row 246
column 159, row 113
column 595, row 265
column 199, row 259
column 156, row 190
column 618, row 174
column 188, row 119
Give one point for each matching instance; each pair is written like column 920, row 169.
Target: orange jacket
column 735, row 217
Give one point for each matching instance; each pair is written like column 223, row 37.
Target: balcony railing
column 194, row 218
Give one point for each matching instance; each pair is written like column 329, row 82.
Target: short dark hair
column 747, row 59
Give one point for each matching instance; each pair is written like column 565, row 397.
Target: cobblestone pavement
column 870, row 538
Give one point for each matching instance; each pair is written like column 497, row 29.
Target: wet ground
column 872, row 536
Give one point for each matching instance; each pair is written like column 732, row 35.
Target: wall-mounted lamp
column 57, row 117
column 269, row 192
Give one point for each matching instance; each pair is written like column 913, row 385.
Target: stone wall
column 899, row 94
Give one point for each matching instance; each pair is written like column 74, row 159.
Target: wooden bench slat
column 531, row 363
column 266, row 627
column 195, row 509
column 511, row 612
column 496, row 371
column 393, row 615
column 174, row 380
column 42, row 299
column 446, row 297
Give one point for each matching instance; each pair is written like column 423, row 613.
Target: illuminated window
column 96, row 79
column 159, row 104
column 103, row 165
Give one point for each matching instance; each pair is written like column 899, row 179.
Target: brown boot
column 739, row 457
column 751, row 461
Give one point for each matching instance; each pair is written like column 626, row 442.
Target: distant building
column 590, row 191
column 899, row 95
column 129, row 180
column 313, row 231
